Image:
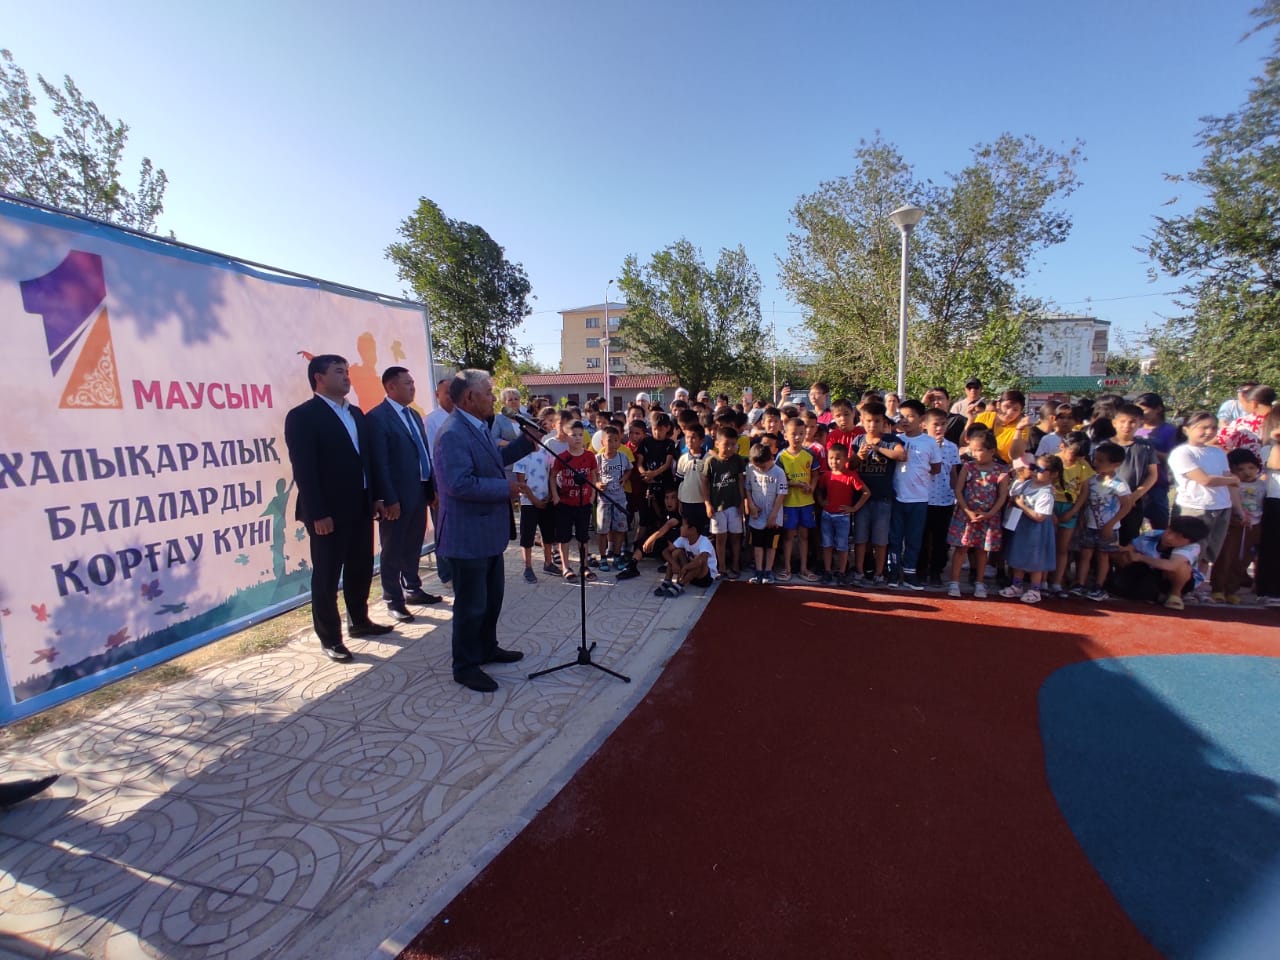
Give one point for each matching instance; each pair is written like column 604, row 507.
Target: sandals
column 668, row 589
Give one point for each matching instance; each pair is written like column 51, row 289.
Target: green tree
column 967, row 315
column 79, row 168
column 700, row 324
column 1226, row 250
column 476, row 297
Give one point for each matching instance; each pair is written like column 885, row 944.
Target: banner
column 146, row 498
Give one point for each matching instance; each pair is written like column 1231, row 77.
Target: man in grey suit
column 402, row 459
column 475, row 502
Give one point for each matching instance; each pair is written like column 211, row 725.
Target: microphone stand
column 533, row 431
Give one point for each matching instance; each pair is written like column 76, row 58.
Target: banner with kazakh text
column 146, row 499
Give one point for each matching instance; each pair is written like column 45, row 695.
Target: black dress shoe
column 399, row 613
column 339, row 653
column 420, row 598
column 504, row 656
column 368, row 629
column 473, row 678
column 19, row 790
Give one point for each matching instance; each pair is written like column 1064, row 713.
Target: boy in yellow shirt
column 797, row 510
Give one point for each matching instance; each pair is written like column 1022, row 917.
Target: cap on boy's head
column 1192, row 528
column 681, row 393
column 642, row 397
column 973, row 383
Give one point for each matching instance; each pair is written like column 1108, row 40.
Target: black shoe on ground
column 473, row 678
column 339, row 653
column 368, row 628
column 912, row 582
column 629, row 572
column 420, row 598
column 500, row 655
column 399, row 613
column 19, row 790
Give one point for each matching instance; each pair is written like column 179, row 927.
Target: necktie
column 424, row 462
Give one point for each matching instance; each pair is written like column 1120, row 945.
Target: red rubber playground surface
column 821, row 773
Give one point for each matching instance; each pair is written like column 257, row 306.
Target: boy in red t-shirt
column 842, row 494
column 573, row 481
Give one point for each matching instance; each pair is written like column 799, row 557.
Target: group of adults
column 392, row 467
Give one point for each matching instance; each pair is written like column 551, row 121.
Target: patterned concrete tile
column 175, row 920
column 46, row 888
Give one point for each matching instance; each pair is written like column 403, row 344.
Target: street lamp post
column 604, row 342
column 905, row 218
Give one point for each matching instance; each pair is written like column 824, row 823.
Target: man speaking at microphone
column 475, row 500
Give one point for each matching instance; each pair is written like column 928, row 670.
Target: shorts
column 835, row 531
column 1090, row 538
column 610, row 518
column 537, row 520
column 793, row 517
column 728, row 520
column 572, row 522
column 1218, row 521
column 764, row 537
column 1059, row 509
column 871, row 523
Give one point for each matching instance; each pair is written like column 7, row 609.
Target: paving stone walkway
column 250, row 810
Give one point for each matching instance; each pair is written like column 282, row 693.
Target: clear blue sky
column 300, row 135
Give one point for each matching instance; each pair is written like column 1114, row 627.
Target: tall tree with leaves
column 79, row 168
column 1226, row 251
column 700, row 324
column 982, row 230
column 475, row 295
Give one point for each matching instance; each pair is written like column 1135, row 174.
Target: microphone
column 527, row 422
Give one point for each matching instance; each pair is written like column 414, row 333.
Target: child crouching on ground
column 665, row 527
column 1162, row 565
column 691, row 561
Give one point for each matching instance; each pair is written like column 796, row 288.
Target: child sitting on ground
column 691, row 561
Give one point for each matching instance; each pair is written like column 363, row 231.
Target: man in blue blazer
column 328, row 441
column 402, row 461
column 475, row 502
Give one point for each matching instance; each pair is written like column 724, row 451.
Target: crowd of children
column 1077, row 504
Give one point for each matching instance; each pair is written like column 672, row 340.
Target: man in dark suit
column 402, row 461
column 475, row 502
column 329, row 448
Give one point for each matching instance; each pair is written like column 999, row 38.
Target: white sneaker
column 953, row 589
column 980, row 590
